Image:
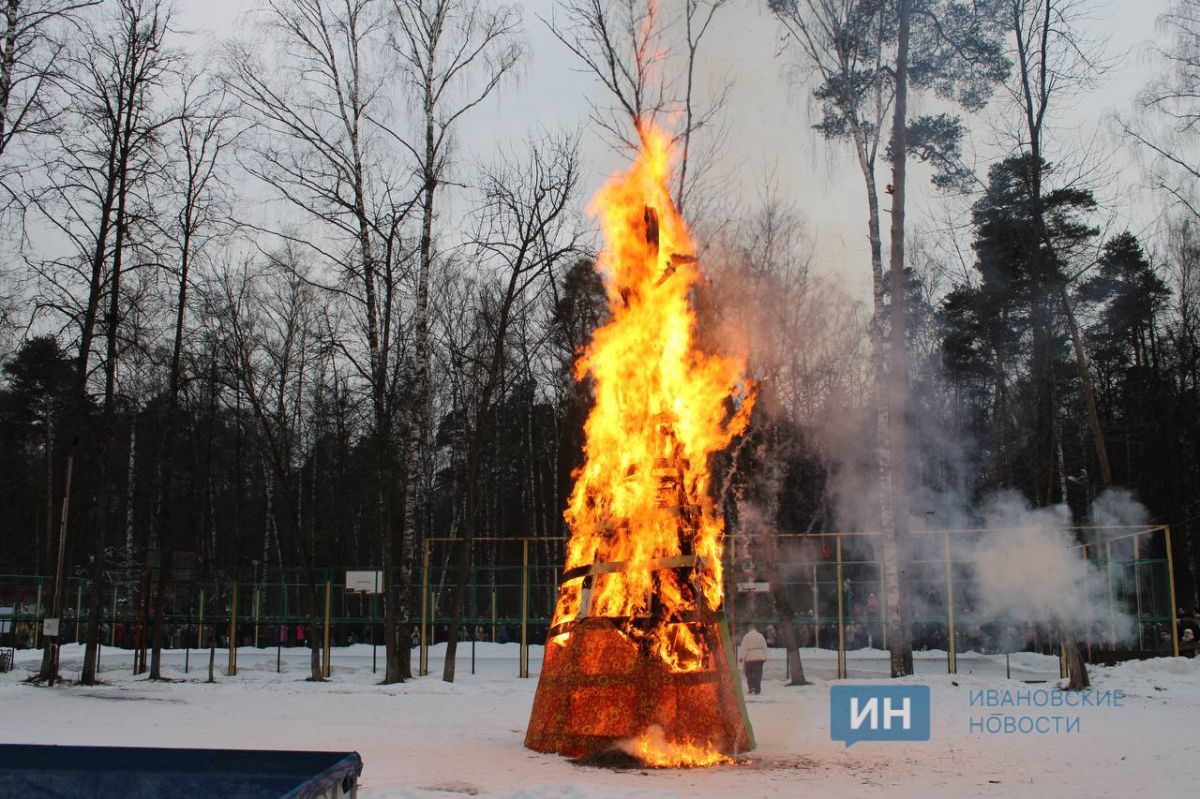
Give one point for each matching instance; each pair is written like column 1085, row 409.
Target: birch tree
column 453, row 55
column 33, row 52
column 325, row 146
column 1167, row 125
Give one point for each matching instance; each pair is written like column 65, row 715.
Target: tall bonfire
column 638, row 658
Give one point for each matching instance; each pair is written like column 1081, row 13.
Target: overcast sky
column 769, row 130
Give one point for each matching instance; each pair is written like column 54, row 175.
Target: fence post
column 78, row 609
column 1087, row 633
column 524, row 665
column 328, row 598
column 1171, row 586
column 112, row 630
column 1112, row 631
column 200, row 639
column 423, row 670
column 37, row 616
column 841, row 619
column 1137, row 592
column 952, row 663
column 884, row 619
column 257, row 607
column 232, row 669
column 816, row 609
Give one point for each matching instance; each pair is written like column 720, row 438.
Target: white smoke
column 1029, row 567
column 808, row 342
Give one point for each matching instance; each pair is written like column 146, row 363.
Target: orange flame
column 663, row 407
column 653, row 748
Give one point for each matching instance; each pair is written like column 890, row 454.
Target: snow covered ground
column 427, row 738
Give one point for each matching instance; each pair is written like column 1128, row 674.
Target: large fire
column 644, row 557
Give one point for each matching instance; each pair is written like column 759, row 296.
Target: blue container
column 101, row 772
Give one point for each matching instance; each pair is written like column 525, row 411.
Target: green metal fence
column 833, row 582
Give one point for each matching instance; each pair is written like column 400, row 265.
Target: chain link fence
column 833, row 583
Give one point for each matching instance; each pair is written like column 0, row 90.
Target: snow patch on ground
column 427, row 739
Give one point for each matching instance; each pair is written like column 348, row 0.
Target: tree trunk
column 474, row 456
column 8, row 60
column 165, row 561
column 1077, row 676
column 395, row 666
column 418, row 421
column 316, row 637
column 784, row 610
column 108, row 433
column 212, row 655
column 1089, row 391
column 49, row 669
column 895, row 535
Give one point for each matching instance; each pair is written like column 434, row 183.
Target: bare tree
column 272, row 320
column 525, row 230
column 101, row 167
column 762, row 278
column 195, row 161
column 1053, row 60
column 1172, row 99
column 697, row 19
column 623, row 44
column 454, row 53
column 36, row 35
column 325, row 147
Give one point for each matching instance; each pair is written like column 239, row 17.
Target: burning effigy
column 638, row 657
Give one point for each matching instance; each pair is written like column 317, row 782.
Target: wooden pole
column 952, row 662
column 1171, row 587
column 59, row 579
column 841, row 620
column 78, row 610
column 1137, row 592
column 232, row 668
column 37, row 616
column 1112, row 630
column 328, row 600
column 816, row 609
column 1087, row 633
column 424, row 656
column 883, row 620
column 200, row 639
column 524, row 670
column 112, row 630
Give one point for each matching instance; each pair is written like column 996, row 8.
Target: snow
column 427, row 738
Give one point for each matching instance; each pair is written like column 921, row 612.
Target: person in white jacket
column 752, row 654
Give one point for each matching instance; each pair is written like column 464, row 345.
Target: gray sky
column 768, row 119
